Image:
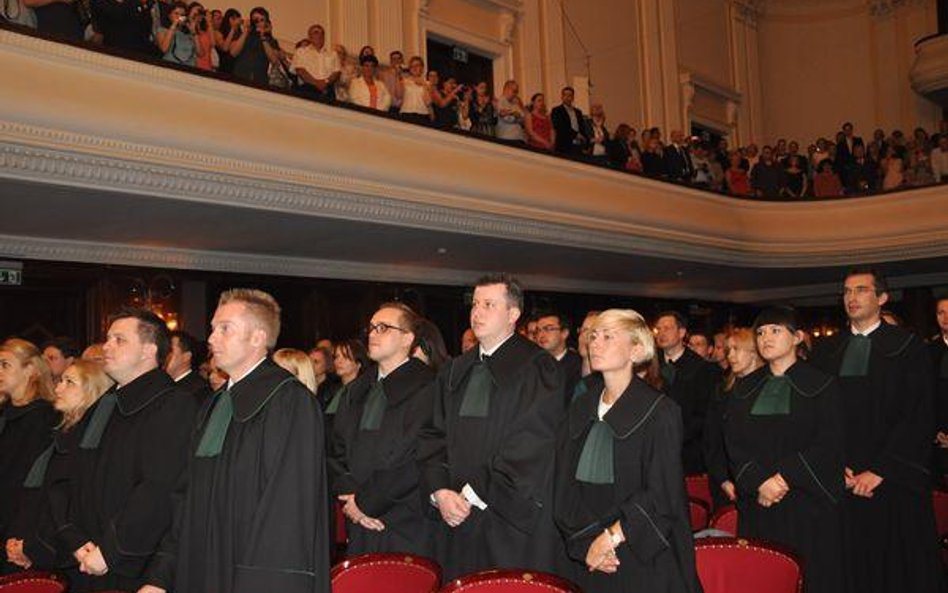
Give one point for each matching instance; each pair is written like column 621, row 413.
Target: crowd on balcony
column 245, row 47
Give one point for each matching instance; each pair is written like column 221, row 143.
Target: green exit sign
column 11, row 273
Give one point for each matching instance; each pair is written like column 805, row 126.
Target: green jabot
column 34, row 479
column 668, row 373
column 476, row 400
column 580, row 390
column 374, row 410
column 100, row 419
column 337, row 398
column 215, row 431
column 774, row 398
column 596, row 460
column 856, row 358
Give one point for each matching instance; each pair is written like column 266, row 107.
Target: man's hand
column 94, row 562
column 454, row 507
column 729, row 490
column 865, row 483
column 601, row 555
column 151, row 589
column 15, row 553
column 352, row 511
column 772, row 491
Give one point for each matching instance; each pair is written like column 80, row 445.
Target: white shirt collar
column 676, row 357
column 182, row 376
column 233, row 380
column 944, row 338
column 866, row 331
column 382, row 376
column 494, row 349
column 561, row 355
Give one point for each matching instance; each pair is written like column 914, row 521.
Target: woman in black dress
column 784, row 439
column 620, row 498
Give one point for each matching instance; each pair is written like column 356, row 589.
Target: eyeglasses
column 858, row 290
column 383, row 328
column 548, row 329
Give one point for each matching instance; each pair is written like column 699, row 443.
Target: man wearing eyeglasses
column 553, row 331
column 886, row 381
column 375, row 434
column 487, row 454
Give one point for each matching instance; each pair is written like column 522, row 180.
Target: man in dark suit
column 677, row 158
column 846, row 148
column 569, row 125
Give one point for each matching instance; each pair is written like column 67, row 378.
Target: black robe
column 196, row 385
column 715, row 452
column 890, row 543
column 26, row 432
column 120, row 494
column 939, row 353
column 805, row 446
column 44, row 509
column 254, row 518
column 692, row 387
column 648, row 494
column 379, row 466
column 572, row 366
column 506, row 457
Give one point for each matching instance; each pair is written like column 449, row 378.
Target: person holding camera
column 255, row 48
column 203, row 27
column 176, row 39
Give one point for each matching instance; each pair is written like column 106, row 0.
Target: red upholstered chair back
column 386, row 573
column 700, row 513
column 342, row 538
column 510, row 581
column 940, row 502
column 725, row 519
column 730, row 565
column 32, row 582
column 698, row 487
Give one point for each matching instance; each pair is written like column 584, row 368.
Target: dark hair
column 561, row 318
column 166, row 17
column 151, row 329
column 368, row 59
column 202, row 24
column 261, row 10
column 365, row 47
column 704, row 334
column 878, row 280
column 65, row 344
column 189, row 343
column 511, row 284
column 824, row 164
column 408, row 316
column 428, row 337
column 849, row 123
column 355, row 350
column 568, row 88
column 785, row 316
column 225, row 25
column 680, row 320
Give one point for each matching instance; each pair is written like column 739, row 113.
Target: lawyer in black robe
column 377, row 462
column 647, row 493
column 938, row 349
column 25, row 432
column 888, row 410
column 572, row 367
column 254, row 516
column 801, row 438
column 691, row 381
column 501, row 445
column 123, row 477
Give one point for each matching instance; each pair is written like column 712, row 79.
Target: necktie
column 774, row 398
column 374, row 410
column 215, row 431
column 856, row 358
column 476, row 399
column 596, row 459
column 34, row 479
column 668, row 373
column 100, row 419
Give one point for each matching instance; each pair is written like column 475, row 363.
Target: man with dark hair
column 130, row 457
column 375, row 437
column 59, row 353
column 553, row 331
column 846, row 148
column 885, row 378
column 701, row 344
column 938, row 348
column 255, row 514
column 689, row 380
column 569, row 125
column 326, row 381
column 487, row 453
column 183, row 362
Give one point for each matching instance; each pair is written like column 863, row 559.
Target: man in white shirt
column 366, row 90
column 317, row 67
column 939, row 159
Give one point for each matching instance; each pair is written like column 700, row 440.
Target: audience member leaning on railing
column 246, row 48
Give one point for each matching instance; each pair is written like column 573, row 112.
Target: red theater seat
column 699, row 512
column 940, row 502
column 730, row 565
column 32, row 582
column 510, row 581
column 342, row 538
column 386, row 573
column 698, row 487
column 725, row 519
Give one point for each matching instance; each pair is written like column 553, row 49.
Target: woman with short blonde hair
column 619, row 495
column 298, row 363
